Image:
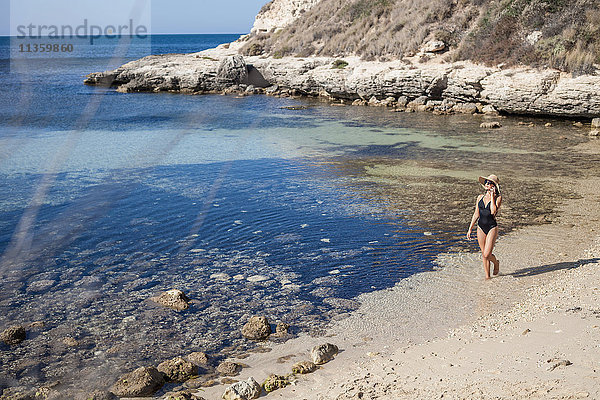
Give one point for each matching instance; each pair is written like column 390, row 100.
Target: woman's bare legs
column 486, row 244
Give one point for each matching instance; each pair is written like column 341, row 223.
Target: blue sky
column 167, row 16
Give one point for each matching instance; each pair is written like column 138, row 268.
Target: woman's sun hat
column 492, row 178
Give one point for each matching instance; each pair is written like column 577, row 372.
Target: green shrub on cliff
column 339, row 64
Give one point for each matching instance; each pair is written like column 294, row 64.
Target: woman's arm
column 474, row 218
column 495, row 203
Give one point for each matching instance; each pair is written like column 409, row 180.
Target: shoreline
column 403, row 85
column 453, row 313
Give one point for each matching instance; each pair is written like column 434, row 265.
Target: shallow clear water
column 108, row 199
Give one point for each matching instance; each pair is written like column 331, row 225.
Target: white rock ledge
column 437, row 86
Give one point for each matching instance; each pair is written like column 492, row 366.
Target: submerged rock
column 282, row 329
column 323, row 353
column 198, row 358
column 490, row 125
column 173, row 298
column 304, row 367
column 257, row 328
column 98, row 395
column 178, row 369
column 143, row 382
column 13, row 335
column 244, row 390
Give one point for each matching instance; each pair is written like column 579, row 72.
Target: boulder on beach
column 244, row 390
column 257, row 328
column 13, row 335
column 178, row 369
column 229, row 368
column 173, row 298
column 304, row 367
column 97, row 395
column 323, row 353
column 199, row 358
column 596, row 123
column 274, row 382
column 281, row 330
column 143, row 382
column 183, row 395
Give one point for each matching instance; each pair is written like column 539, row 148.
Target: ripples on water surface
column 247, row 207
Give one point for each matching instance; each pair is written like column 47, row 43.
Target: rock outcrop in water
column 143, row 382
column 257, row 328
column 13, row 335
column 174, row 298
column 177, row 369
column 438, row 87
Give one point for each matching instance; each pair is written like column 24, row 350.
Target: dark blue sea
column 249, row 207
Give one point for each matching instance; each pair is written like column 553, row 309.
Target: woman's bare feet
column 496, row 267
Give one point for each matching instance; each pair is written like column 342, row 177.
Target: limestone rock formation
column 13, row 335
column 199, row 358
column 304, row 367
column 434, row 46
column 257, row 328
column 173, row 298
column 143, row 382
column 244, row 390
column 274, row 382
column 229, row 368
column 178, row 369
column 98, row 395
column 490, row 125
column 279, row 13
column 233, row 70
column 323, row 353
column 512, row 91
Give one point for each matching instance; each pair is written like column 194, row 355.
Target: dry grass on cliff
column 373, row 29
column 557, row 33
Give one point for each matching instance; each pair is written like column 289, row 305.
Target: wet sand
column 449, row 333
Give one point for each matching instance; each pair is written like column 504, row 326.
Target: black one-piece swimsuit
column 486, row 220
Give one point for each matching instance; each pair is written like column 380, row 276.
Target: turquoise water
column 108, row 199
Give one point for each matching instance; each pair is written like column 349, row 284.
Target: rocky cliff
column 278, row 14
column 445, row 88
column 422, row 81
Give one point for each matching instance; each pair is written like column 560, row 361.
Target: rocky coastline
column 409, row 85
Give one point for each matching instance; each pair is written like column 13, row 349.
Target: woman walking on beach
column 486, row 208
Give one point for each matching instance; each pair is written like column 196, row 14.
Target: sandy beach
column 532, row 332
